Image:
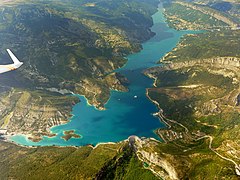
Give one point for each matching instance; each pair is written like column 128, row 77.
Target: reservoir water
column 128, row 113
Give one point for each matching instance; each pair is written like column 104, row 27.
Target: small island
column 37, row 137
column 70, row 134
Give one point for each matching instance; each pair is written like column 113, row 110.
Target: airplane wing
column 6, row 68
column 13, row 57
column 10, row 67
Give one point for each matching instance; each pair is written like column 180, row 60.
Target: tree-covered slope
column 74, row 45
column 107, row 161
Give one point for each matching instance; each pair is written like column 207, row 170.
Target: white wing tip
column 14, row 58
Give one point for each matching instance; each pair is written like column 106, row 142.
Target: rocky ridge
column 211, row 12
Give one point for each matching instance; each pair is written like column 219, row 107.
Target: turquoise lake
column 125, row 114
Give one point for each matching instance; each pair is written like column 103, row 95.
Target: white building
column 3, row 131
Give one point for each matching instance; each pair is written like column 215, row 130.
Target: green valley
column 75, row 47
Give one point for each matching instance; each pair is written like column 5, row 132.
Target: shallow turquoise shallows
column 127, row 113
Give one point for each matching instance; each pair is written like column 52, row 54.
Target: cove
column 127, row 113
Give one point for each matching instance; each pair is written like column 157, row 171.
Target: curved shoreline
column 123, row 68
